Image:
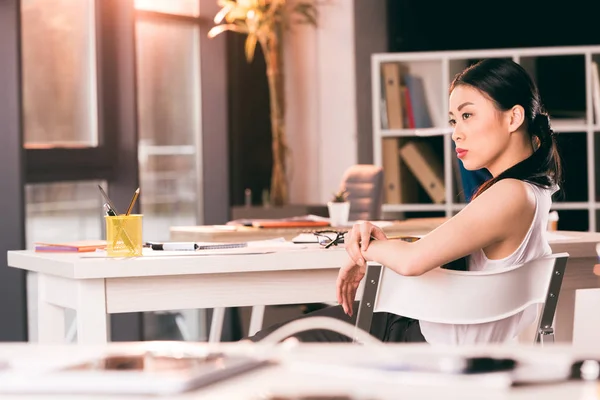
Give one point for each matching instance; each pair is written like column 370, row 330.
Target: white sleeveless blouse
column 534, row 245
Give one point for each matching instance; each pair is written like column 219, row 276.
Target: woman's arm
column 504, row 210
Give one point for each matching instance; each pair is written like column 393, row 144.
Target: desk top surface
column 89, row 266
column 313, row 369
column 300, row 257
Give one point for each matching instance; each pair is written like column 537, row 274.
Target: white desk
column 95, row 287
column 285, row 378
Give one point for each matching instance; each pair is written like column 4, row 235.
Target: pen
column 400, row 237
column 174, row 246
column 135, row 196
column 109, row 211
column 110, row 203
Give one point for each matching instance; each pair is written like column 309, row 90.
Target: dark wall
column 13, row 305
column 249, row 124
column 370, row 36
column 415, row 25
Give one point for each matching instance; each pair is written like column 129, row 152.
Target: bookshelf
column 569, row 88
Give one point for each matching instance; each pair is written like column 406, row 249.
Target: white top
column 534, row 245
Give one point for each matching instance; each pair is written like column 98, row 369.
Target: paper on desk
column 254, row 247
column 277, row 242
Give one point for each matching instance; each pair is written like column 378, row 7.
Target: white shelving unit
column 437, row 69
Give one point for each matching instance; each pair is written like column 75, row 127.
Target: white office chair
column 446, row 296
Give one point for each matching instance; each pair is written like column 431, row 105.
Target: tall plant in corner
column 265, row 22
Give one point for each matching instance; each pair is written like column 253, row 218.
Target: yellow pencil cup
column 124, row 235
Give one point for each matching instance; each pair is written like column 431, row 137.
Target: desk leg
column 51, row 318
column 92, row 325
column 256, row 319
column 216, row 326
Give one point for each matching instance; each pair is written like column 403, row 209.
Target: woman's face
column 481, row 131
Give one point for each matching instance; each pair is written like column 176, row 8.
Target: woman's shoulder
column 510, row 191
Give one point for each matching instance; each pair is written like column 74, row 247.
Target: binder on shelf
column 399, row 183
column 392, row 73
column 426, row 167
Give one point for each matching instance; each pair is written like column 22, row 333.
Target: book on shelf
column 596, row 92
column 403, row 98
column 426, row 167
column 418, row 110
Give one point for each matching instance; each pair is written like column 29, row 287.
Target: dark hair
column 507, row 84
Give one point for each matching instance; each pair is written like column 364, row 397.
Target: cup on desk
column 124, row 235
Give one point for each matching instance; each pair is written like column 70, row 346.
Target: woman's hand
column 347, row 283
column 357, row 240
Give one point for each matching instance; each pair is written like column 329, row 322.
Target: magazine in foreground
column 143, row 373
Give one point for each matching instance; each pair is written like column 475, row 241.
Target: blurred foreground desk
column 310, row 370
column 581, row 247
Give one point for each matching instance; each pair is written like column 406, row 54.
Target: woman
column 500, row 125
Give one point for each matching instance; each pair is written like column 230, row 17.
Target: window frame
column 204, row 24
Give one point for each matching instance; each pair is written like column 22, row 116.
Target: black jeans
column 384, row 326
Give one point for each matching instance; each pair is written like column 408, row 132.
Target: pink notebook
column 78, row 246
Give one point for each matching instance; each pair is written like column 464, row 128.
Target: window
column 59, row 73
column 168, row 85
column 63, row 211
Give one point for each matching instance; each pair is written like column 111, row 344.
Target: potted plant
column 265, row 22
column 339, row 208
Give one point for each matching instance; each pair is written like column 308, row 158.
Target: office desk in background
column 581, row 247
column 231, row 233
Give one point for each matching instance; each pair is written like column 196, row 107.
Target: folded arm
column 498, row 214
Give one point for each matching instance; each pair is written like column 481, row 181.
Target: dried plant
column 341, row 196
column 265, row 22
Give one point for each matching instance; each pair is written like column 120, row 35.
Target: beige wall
column 321, row 102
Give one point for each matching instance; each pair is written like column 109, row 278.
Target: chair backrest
column 364, row 183
column 465, row 297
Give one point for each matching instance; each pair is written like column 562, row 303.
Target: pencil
column 135, row 196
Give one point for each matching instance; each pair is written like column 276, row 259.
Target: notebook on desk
column 78, row 246
column 289, row 224
column 305, row 221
